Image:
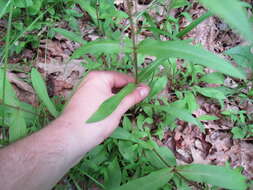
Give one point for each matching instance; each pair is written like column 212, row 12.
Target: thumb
column 140, row 93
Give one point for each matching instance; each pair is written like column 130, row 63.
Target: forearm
column 39, row 161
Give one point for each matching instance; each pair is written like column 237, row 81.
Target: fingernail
column 144, row 92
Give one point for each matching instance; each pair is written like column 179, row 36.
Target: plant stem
column 133, row 36
column 100, row 27
column 6, row 56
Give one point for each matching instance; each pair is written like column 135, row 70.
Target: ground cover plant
column 145, row 39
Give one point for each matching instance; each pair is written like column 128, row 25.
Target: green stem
column 6, row 56
column 134, row 40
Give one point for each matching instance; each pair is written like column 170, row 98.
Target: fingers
column 135, row 97
column 112, row 78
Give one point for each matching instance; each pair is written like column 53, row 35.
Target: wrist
column 84, row 136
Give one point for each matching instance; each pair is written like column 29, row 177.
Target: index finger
column 112, row 78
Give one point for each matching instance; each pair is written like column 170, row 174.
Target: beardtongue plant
column 167, row 172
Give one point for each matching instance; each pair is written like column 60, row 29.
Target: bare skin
column 39, row 161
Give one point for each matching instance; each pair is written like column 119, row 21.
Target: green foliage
column 111, row 104
column 242, row 55
column 70, row 35
column 102, row 47
column 193, row 25
column 41, row 90
column 216, row 175
column 5, row 7
column 180, row 49
column 113, row 175
column 153, row 181
column 14, row 117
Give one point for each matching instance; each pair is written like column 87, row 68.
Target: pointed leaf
column 17, row 122
column 85, row 5
column 113, row 177
column 18, row 127
column 41, row 90
column 4, row 8
column 146, row 73
column 180, row 49
column 153, row 181
column 182, row 114
column 108, row 106
column 215, row 175
column 194, row 24
column 102, row 46
column 70, row 35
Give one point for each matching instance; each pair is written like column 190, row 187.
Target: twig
column 133, row 36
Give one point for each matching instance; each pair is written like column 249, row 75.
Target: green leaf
column 182, row 114
column 180, row 49
column 157, row 86
column 5, row 7
column 17, row 124
column 35, row 8
column 213, row 78
column 211, row 92
column 128, row 150
column 123, row 134
column 233, row 13
column 85, row 5
column 113, row 177
column 102, row 46
column 108, row 106
column 18, row 127
column 239, row 133
column 194, row 24
column 70, row 35
column 41, row 90
column 242, row 55
column 191, row 102
column 146, row 73
column 153, row 181
column 178, row 3
column 215, row 175
column 159, row 155
column 208, row 118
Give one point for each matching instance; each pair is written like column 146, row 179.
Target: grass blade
column 195, row 23
column 41, row 90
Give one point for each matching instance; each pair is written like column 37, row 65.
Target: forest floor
column 216, row 146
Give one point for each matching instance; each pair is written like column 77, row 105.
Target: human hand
column 94, row 90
